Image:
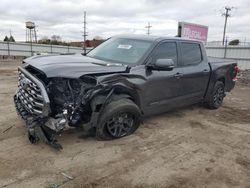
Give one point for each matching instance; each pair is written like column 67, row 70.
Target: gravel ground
column 244, row 77
column 190, row 147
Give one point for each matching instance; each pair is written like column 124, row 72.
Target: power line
column 226, row 14
column 148, row 27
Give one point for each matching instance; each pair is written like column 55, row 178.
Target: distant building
column 93, row 43
column 76, row 44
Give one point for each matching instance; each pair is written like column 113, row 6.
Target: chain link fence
column 29, row 49
column 239, row 53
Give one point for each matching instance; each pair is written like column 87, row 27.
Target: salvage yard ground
column 190, row 147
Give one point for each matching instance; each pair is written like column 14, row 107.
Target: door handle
column 205, row 70
column 178, row 75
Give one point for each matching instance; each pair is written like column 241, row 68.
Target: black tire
column 121, row 116
column 217, row 96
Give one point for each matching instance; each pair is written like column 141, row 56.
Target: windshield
column 121, row 50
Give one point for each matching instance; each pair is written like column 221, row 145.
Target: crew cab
column 109, row 90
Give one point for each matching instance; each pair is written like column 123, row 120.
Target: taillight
column 235, row 72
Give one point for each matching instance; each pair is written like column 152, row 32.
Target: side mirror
column 162, row 64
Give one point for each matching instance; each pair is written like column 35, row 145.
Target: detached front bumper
column 41, row 128
column 33, row 105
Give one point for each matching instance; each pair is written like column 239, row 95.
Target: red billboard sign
column 193, row 31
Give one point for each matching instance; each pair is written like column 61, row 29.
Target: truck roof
column 152, row 37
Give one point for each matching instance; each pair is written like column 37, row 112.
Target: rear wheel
column 120, row 118
column 217, row 96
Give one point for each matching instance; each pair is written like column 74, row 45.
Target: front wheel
column 120, row 118
column 217, row 96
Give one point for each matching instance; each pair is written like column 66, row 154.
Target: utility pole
column 148, row 27
column 84, row 32
column 226, row 14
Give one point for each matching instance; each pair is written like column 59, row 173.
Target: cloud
column 110, row 17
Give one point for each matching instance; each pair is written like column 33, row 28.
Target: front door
column 163, row 88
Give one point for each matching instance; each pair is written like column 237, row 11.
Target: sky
column 106, row 18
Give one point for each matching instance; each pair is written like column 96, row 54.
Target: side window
column 167, row 50
column 191, row 53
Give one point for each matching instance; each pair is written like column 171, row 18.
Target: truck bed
column 219, row 60
column 221, row 67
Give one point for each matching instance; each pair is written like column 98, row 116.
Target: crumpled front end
column 51, row 104
column 33, row 105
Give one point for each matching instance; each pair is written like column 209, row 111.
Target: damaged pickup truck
column 110, row 89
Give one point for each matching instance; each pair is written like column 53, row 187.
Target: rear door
column 196, row 71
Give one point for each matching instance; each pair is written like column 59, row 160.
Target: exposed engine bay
column 70, row 95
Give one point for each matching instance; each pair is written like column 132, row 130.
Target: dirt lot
column 191, row 147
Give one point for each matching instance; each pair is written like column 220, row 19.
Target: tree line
column 53, row 40
column 57, row 40
column 9, row 39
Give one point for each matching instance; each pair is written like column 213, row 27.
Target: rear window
column 191, row 53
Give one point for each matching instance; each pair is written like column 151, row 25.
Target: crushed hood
column 72, row 66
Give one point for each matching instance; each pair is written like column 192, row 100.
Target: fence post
column 51, row 51
column 225, row 50
column 8, row 44
column 68, row 48
column 31, row 50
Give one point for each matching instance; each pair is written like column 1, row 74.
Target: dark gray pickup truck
column 110, row 89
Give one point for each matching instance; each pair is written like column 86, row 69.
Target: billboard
column 193, row 31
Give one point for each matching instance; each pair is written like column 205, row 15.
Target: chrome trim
column 32, row 94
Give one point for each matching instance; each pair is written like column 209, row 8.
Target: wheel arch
column 104, row 97
column 221, row 79
column 121, row 91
